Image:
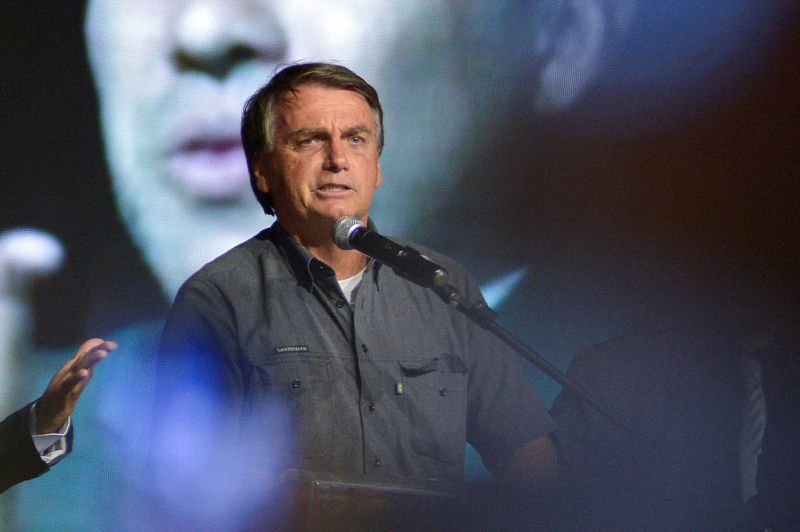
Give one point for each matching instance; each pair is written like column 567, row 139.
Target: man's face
column 324, row 160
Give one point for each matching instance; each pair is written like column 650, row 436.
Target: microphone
column 349, row 233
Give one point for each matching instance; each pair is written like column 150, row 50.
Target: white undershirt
column 350, row 285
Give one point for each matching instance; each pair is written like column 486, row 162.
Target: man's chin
column 328, row 216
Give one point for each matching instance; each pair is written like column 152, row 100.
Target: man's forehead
column 318, row 97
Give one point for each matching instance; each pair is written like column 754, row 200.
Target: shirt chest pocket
column 434, row 397
column 293, row 393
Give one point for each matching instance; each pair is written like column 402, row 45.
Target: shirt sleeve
column 505, row 412
column 52, row 447
column 199, row 343
column 197, row 376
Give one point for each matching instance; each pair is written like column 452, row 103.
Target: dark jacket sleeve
column 680, row 393
column 19, row 459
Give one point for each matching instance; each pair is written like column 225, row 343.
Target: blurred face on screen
column 172, row 77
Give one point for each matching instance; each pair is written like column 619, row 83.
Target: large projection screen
column 614, row 168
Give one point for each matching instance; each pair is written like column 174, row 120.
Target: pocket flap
column 419, row 366
column 448, row 363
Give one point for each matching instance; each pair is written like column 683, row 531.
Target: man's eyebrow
column 358, row 129
column 313, row 131
column 305, row 131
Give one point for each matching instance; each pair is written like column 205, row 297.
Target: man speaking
column 377, row 377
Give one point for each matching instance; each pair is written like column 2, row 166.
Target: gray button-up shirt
column 391, row 387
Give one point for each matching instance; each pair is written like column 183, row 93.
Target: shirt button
column 376, row 461
column 371, row 406
column 296, row 383
column 339, row 303
column 442, row 391
column 364, row 348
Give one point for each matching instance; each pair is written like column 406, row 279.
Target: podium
column 323, row 502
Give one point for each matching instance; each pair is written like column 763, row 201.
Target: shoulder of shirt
column 675, row 346
column 242, row 257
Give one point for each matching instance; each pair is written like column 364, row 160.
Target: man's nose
column 214, row 36
column 336, row 158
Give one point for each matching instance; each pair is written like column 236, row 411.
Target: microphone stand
column 350, row 233
column 485, row 317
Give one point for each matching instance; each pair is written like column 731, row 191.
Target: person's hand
column 61, row 396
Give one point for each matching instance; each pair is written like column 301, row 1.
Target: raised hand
column 61, row 395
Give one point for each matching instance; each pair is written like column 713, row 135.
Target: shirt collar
column 306, row 267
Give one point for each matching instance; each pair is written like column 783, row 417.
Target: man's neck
column 346, row 263
column 318, row 241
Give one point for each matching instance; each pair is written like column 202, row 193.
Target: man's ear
column 572, row 48
column 261, row 172
column 379, row 178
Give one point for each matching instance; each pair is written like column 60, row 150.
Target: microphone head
column 343, row 230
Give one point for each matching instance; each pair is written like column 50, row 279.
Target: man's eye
column 358, row 139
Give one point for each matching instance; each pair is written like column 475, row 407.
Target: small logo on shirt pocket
column 291, row 349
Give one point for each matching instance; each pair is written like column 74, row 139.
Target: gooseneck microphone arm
column 350, row 233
